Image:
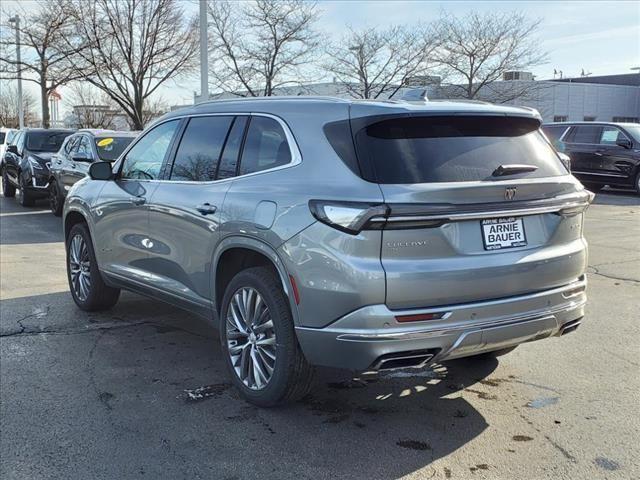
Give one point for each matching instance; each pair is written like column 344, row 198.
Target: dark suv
column 77, row 153
column 25, row 165
column 601, row 153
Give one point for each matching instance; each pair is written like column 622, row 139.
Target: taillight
column 349, row 217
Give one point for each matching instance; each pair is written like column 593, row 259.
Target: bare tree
column 374, row 63
column 479, row 48
column 45, row 52
column 92, row 108
column 260, row 46
column 9, row 106
column 134, row 46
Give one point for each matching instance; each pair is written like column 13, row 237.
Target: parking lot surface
column 141, row 392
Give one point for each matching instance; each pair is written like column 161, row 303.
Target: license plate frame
column 508, row 232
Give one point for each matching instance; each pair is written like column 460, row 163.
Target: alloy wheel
column 80, row 267
column 251, row 338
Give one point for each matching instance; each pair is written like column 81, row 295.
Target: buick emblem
column 510, row 193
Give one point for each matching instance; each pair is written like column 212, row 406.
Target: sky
column 601, row 37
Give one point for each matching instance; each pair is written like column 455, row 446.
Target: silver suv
column 362, row 235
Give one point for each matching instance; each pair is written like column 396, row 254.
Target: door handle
column 138, row 200
column 206, row 209
column 599, row 154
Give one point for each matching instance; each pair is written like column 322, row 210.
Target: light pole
column 204, row 53
column 16, row 20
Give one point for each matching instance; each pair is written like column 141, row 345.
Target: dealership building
column 610, row 98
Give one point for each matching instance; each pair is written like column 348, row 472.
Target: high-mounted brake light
column 349, row 217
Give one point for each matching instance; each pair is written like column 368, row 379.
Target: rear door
column 581, row 144
column 460, row 228
column 185, row 211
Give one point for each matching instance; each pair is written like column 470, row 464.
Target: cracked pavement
column 141, row 392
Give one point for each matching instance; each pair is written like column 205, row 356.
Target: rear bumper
column 363, row 338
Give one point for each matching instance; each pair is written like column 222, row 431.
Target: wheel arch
column 238, row 253
column 73, row 217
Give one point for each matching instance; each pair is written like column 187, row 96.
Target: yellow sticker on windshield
column 104, row 142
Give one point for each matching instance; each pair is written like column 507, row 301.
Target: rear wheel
column 8, row 190
column 594, row 187
column 85, row 282
column 25, row 198
column 259, row 343
column 55, row 199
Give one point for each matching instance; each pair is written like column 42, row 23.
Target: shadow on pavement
column 618, row 197
column 107, row 395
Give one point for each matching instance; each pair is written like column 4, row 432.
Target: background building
column 604, row 98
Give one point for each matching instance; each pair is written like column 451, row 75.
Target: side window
column 229, row 160
column 199, row 151
column 144, row 160
column 610, row 135
column 83, row 146
column 265, row 146
column 20, row 142
column 585, row 134
column 69, row 145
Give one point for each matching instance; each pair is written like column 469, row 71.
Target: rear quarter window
column 453, row 149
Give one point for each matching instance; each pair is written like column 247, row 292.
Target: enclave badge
column 510, row 193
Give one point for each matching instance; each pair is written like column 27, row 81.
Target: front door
column 186, row 209
column 122, row 211
column 614, row 161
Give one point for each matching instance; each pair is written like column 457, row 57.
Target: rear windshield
column 453, row 149
column 45, row 141
column 110, row 148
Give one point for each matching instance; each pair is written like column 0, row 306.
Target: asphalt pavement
column 141, row 391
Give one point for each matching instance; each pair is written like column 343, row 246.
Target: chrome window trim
column 296, row 156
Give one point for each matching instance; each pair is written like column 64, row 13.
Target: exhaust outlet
column 394, row 361
column 570, row 326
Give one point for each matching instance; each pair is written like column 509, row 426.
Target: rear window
column 45, row 141
column 453, row 149
column 110, row 148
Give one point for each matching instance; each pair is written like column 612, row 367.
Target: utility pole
column 16, row 20
column 204, row 53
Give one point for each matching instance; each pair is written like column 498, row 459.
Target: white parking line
column 15, row 214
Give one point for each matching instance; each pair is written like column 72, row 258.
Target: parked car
column 77, row 153
column 25, row 165
column 601, row 153
column 353, row 234
column 6, row 134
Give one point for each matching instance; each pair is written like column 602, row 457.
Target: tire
column 291, row 375
column 87, row 287
column 594, row 187
column 25, row 199
column 56, row 201
column 8, row 190
column 638, row 183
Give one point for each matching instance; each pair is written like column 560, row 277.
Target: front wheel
column 25, row 198
column 88, row 289
column 259, row 343
column 8, row 190
column 56, row 201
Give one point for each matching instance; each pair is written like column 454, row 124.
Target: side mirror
column 82, row 157
column 565, row 159
column 624, row 143
column 100, row 171
column 12, row 149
